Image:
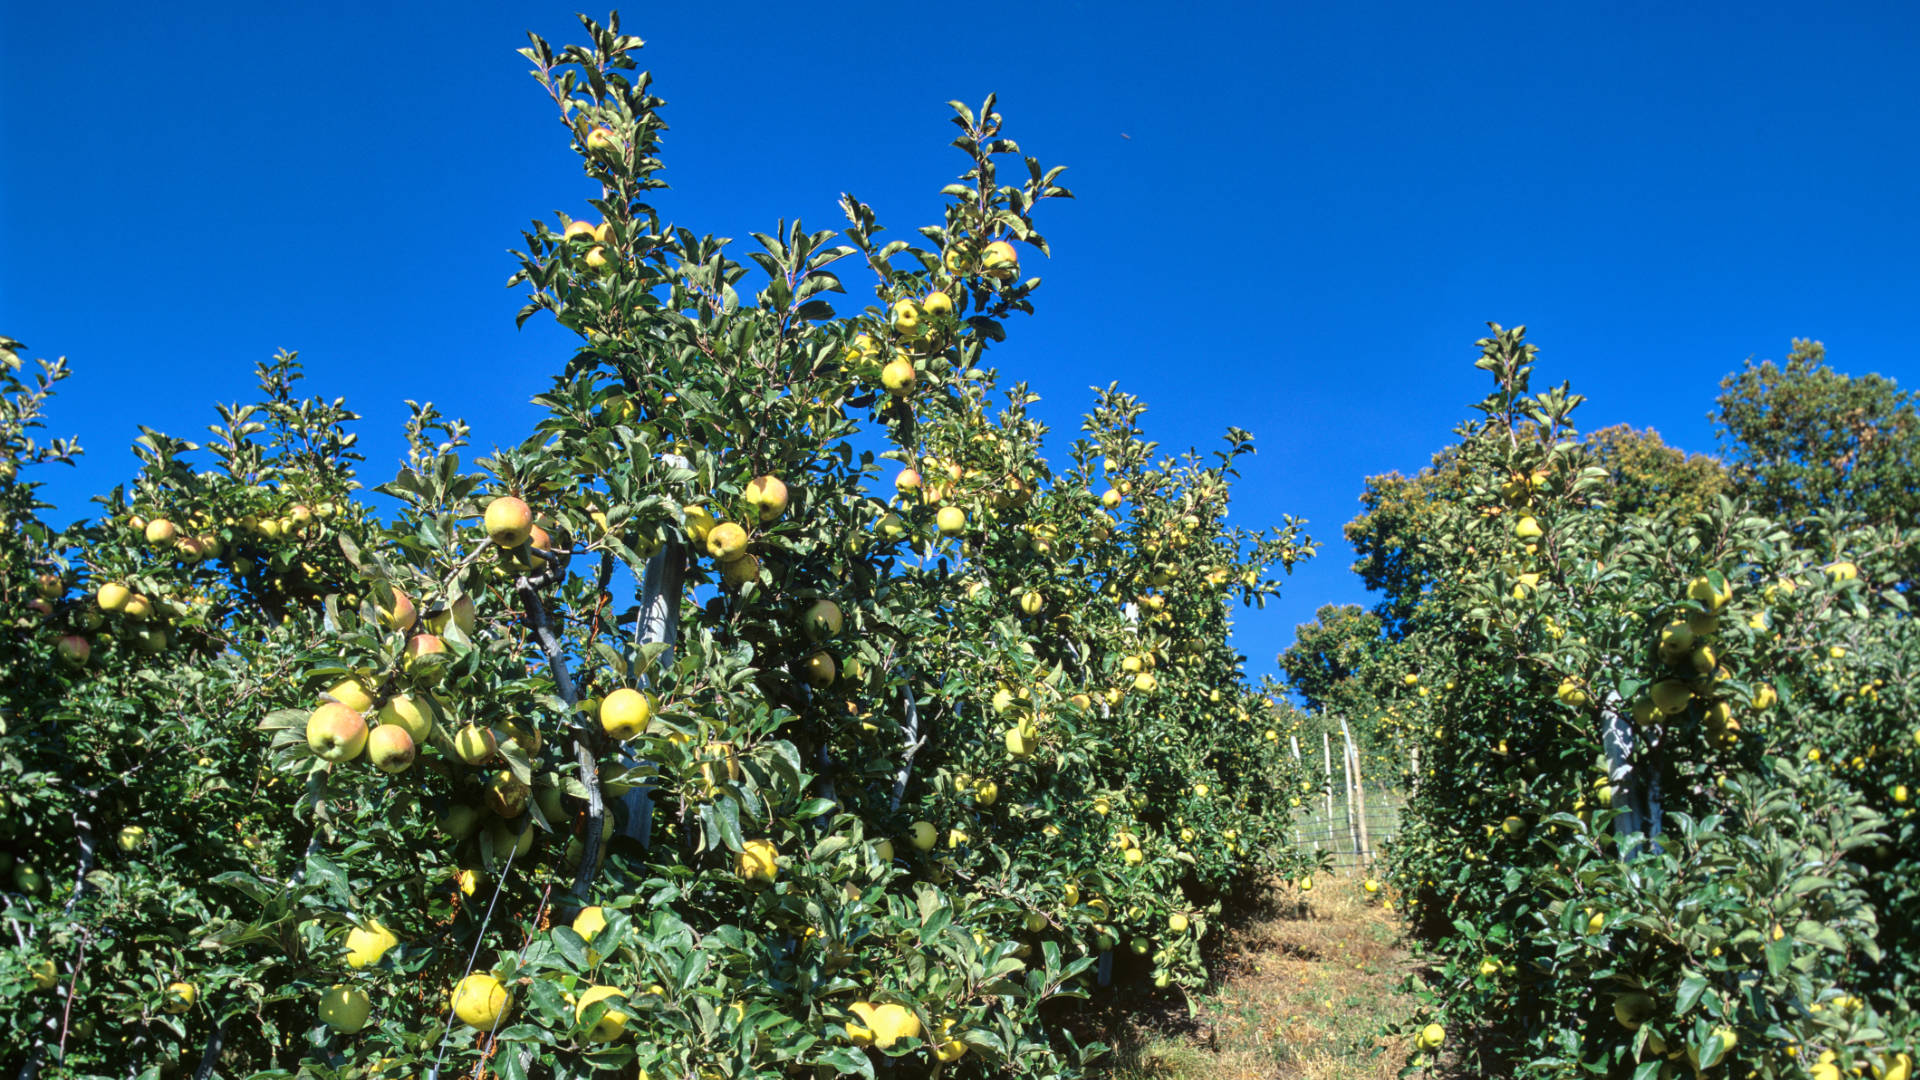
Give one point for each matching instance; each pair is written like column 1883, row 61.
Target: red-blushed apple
column 601, row 138
column 74, row 649
column 336, row 733
column 907, row 482
column 390, row 748
column 398, row 613
column 509, row 521
column 420, row 646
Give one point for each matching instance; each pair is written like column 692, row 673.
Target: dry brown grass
column 1305, row 981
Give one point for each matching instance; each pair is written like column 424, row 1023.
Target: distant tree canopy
column 1398, row 511
column 1328, row 652
column 1802, row 438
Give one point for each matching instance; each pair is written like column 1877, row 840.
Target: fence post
column 1346, row 790
column 1295, row 741
column 1326, row 759
column 1359, row 793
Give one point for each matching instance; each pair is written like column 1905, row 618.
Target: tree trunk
column 660, row 591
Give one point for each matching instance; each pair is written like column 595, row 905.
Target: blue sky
column 1290, row 218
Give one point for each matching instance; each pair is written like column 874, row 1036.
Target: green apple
column 345, row 1009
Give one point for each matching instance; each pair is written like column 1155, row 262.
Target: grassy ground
column 1306, row 981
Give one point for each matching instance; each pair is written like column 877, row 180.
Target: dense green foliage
column 1663, row 820
column 934, row 738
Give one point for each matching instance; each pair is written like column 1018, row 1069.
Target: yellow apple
column 509, row 521
column 180, row 997
column 1000, row 261
column 741, row 571
column 475, row 743
column 1020, row 742
column 1632, row 1009
column 113, row 596
column 898, row 376
column 612, row 1023
column 625, row 713
column 818, row 669
column 410, row 714
column 367, row 944
column 758, row 862
column 506, row 796
column 726, row 541
column 336, row 733
column 480, row 1001
column 768, row 496
column 923, row 836
column 699, row 523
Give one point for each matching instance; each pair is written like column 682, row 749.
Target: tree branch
column 912, row 740
column 583, row 735
column 211, row 1054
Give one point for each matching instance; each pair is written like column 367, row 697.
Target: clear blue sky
column 1293, row 218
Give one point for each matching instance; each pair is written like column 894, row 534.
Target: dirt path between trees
column 1306, row 981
